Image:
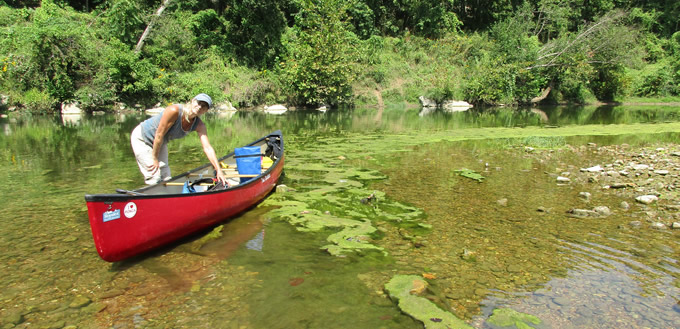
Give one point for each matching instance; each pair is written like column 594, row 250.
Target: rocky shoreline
column 646, row 176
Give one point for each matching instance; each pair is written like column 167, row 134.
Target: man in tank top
column 150, row 138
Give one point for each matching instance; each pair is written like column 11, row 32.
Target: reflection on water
column 259, row 272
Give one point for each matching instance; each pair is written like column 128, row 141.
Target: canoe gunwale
column 107, row 197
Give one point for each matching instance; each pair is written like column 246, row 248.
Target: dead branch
column 158, row 13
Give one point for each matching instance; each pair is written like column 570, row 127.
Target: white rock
column 426, row 102
column 71, row 108
column 275, row 109
column 640, row 167
column 646, row 199
column 658, row 226
column 225, row 107
column 675, row 225
column 597, row 168
column 602, row 210
column 661, row 172
column 456, row 106
column 154, row 110
column 562, row 179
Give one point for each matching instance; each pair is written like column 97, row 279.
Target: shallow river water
column 466, row 201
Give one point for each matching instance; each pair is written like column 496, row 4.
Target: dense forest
column 100, row 53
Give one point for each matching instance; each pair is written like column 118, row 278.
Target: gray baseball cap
column 204, row 98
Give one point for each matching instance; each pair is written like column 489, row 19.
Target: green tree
column 320, row 56
column 255, row 29
column 64, row 54
column 123, row 21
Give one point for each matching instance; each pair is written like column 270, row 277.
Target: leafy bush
column 319, row 67
column 657, row 80
column 35, row 101
column 171, row 45
column 608, row 82
column 209, row 29
column 255, row 29
column 123, row 21
column 62, row 58
column 135, row 79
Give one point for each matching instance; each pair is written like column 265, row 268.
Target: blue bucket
column 248, row 161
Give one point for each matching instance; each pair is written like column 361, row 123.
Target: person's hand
column 221, row 178
column 154, row 166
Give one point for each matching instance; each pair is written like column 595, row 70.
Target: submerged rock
column 506, row 317
column 79, row 301
column 600, row 211
column 646, row 199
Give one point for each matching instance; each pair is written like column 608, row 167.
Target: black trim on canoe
column 139, row 193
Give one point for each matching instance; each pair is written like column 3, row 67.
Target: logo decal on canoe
column 111, row 215
column 130, row 210
column 265, row 178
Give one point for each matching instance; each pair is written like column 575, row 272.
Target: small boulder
column 647, row 199
column 659, row 226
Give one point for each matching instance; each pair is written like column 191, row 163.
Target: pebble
column 562, row 179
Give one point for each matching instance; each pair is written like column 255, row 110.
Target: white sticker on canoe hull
column 265, row 178
column 111, row 215
column 130, row 210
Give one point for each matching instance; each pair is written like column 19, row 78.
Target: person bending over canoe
column 150, row 138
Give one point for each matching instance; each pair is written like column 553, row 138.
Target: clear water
column 262, row 270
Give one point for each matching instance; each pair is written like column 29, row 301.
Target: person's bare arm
column 210, row 152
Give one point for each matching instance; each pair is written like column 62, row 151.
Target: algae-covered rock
column 470, row 174
column 506, row 317
column 351, row 238
column 402, row 288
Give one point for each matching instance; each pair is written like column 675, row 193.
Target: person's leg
column 143, row 154
column 163, row 162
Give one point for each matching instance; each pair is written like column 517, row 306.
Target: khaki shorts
column 144, row 155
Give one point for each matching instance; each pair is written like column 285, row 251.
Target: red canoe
column 133, row 222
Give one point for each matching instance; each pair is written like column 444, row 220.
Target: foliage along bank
column 312, row 52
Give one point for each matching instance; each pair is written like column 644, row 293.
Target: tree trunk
column 543, row 95
column 160, row 10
